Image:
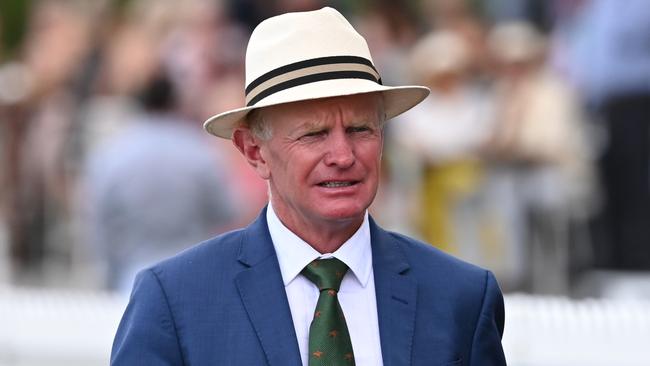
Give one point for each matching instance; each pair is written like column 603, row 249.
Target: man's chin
column 343, row 214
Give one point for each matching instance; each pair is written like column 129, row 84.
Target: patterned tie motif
column 329, row 340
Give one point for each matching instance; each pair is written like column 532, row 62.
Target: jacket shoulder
column 460, row 304
column 202, row 258
column 423, row 256
column 442, row 276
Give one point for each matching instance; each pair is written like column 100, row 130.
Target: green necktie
column 329, row 340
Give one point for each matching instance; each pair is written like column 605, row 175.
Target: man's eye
column 359, row 129
column 313, row 134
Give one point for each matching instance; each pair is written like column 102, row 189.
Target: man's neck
column 325, row 236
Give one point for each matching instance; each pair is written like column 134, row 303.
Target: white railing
column 54, row 327
column 548, row 331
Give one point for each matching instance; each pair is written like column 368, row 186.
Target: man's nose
column 340, row 150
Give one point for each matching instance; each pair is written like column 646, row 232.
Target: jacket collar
column 396, row 294
column 262, row 292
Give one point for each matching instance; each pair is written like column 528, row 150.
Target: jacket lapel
column 396, row 296
column 262, row 293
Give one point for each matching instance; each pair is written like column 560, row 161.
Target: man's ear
column 250, row 146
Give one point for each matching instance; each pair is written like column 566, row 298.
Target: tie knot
column 327, row 274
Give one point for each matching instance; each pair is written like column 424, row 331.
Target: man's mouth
column 338, row 184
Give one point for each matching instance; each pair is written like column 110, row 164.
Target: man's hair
column 259, row 126
column 262, row 129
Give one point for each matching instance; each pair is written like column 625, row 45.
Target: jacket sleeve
column 147, row 333
column 486, row 345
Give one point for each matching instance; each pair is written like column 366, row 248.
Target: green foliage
column 14, row 16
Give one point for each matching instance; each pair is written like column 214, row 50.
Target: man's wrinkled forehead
column 353, row 108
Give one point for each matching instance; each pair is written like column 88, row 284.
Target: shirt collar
column 294, row 253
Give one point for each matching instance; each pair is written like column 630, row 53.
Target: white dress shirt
column 356, row 295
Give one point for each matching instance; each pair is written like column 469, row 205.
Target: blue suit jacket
column 223, row 302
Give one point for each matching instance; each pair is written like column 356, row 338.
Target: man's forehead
column 362, row 105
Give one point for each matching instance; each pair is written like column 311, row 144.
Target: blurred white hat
column 439, row 52
column 515, row 41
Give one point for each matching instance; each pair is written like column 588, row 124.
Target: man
column 124, row 178
column 313, row 281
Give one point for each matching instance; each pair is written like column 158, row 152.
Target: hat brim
column 397, row 100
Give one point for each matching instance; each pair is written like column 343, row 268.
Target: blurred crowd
column 531, row 156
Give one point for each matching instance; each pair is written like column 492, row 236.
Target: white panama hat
column 309, row 55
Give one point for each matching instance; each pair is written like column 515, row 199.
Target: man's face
column 323, row 158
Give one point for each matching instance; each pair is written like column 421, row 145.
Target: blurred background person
column 154, row 189
column 602, row 47
column 443, row 136
column 540, row 168
column 54, row 45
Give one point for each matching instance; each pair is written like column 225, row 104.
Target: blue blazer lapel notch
column 262, row 292
column 396, row 296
